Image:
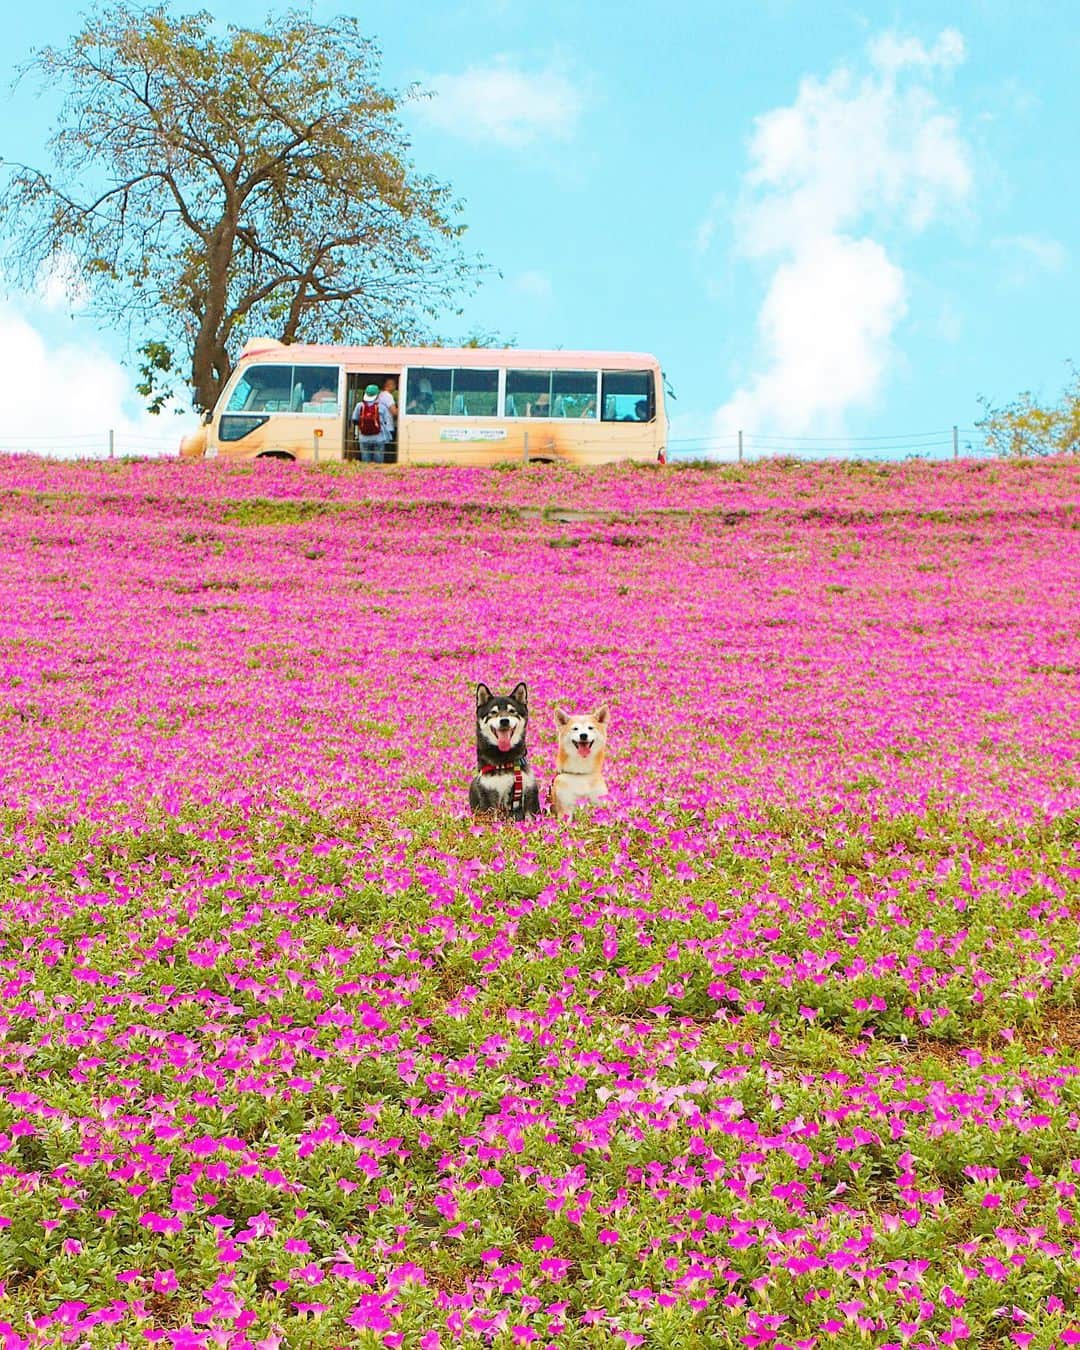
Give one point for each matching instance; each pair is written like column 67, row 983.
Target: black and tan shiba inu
column 579, row 759
column 504, row 783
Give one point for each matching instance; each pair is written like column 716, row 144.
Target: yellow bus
column 471, row 405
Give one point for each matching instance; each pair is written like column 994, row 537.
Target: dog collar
column 515, row 766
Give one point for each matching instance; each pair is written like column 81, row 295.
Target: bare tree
column 208, row 185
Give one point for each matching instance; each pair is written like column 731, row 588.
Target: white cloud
column 60, row 284
column 949, row 326
column 890, row 52
column 536, row 285
column 1028, row 256
column 64, row 397
column 826, row 325
column 705, row 233
column 506, row 104
column 855, row 156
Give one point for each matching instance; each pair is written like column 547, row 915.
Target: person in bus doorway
column 388, row 398
column 372, row 426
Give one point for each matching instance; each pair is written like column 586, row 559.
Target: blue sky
column 827, row 220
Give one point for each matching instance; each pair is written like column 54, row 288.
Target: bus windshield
column 297, row 389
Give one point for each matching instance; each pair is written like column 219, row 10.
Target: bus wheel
column 276, row 454
column 540, row 459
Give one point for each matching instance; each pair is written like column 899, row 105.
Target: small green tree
column 213, row 184
column 155, row 371
column 1027, row 427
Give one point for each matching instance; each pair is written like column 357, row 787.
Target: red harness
column 517, row 794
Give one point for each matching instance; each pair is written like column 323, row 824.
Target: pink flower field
column 778, row 1047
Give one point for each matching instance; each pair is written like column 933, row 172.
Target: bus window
column 573, row 393
column 628, row 396
column 428, row 392
column 528, row 393
column 475, row 392
column 267, row 389
column 314, row 389
column 461, row 392
column 261, row 389
column 235, row 426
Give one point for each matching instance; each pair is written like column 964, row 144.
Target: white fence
column 951, row 443
column 109, row 444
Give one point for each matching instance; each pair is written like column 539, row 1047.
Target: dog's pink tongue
column 583, row 749
column 504, row 741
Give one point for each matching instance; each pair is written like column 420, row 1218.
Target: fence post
column 740, row 447
column 955, row 443
column 112, row 435
column 525, row 447
column 315, row 435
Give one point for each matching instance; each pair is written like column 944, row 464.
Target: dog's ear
column 483, row 695
column 600, row 716
column 562, row 718
column 520, row 693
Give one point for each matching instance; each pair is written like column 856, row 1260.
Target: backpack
column 369, row 422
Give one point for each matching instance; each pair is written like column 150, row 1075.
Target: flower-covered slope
column 779, row 1047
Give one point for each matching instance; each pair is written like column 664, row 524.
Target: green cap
column 371, row 391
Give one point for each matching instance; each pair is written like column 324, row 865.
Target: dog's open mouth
column 583, row 748
column 504, row 741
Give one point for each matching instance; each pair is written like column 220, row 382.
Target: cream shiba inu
column 579, row 759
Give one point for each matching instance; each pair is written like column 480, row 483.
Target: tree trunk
column 210, row 365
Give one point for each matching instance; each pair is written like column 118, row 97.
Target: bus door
column 357, row 382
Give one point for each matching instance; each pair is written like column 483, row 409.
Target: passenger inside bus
column 422, row 402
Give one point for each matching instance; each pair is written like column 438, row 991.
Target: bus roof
column 269, row 349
